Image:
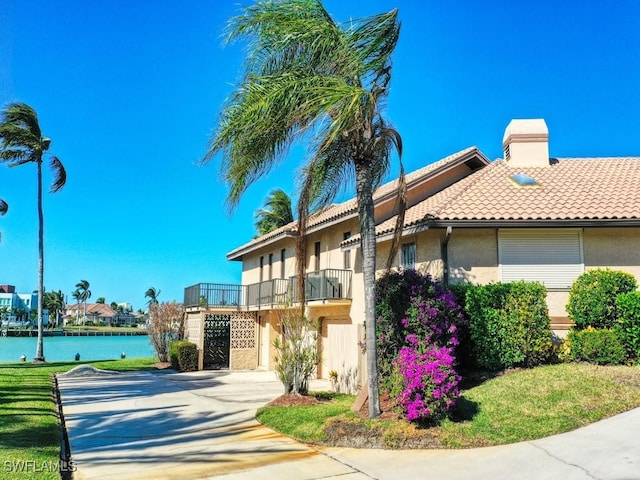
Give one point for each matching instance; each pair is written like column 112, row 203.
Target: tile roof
column 350, row 207
column 569, row 190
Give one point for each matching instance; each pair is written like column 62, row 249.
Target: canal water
column 63, row 349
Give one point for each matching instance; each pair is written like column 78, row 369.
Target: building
column 527, row 216
column 18, row 306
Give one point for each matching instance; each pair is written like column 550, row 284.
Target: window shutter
column 552, row 257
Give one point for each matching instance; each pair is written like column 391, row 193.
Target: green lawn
column 521, row 405
column 29, row 427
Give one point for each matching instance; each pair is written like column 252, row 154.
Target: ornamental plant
column 416, row 334
column 592, row 298
column 628, row 325
column 424, row 381
column 408, row 302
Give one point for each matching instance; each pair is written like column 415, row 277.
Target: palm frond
column 22, row 115
column 4, row 207
column 60, row 174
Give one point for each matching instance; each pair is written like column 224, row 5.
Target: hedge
column 183, row 356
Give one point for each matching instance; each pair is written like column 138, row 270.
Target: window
column 408, row 256
column 270, row 272
column 316, row 257
column 261, row 268
column 282, row 257
column 552, row 257
column 346, row 257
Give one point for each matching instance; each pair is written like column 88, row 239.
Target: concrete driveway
column 165, row 425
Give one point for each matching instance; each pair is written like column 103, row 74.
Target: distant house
column 97, row 313
column 528, row 216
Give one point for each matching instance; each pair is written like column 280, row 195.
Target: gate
column 217, row 341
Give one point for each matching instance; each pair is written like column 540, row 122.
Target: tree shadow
column 465, row 410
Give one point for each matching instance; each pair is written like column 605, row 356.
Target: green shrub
column 509, row 324
column 592, row 299
column 628, row 325
column 602, row 347
column 183, row 356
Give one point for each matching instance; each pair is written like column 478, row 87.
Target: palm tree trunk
column 40, row 345
column 368, row 246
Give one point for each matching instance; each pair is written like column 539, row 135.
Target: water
column 57, row 349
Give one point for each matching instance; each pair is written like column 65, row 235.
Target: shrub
column 408, row 302
column 592, row 298
column 628, row 325
column 297, row 354
column 425, row 384
column 509, row 324
column 165, row 325
column 183, row 356
column 602, row 347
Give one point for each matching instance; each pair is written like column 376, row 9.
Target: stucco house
column 528, row 216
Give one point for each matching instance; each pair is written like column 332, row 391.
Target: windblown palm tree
column 276, row 212
column 77, row 295
column 152, row 294
column 308, row 78
column 21, row 142
column 85, row 294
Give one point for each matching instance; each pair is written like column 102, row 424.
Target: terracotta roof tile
column 570, row 189
column 350, row 207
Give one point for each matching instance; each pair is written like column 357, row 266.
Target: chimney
column 526, row 143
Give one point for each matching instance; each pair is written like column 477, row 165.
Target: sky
column 130, row 91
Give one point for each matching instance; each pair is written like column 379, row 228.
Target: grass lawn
column 517, row 406
column 29, row 428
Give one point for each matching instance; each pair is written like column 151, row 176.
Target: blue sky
column 129, row 92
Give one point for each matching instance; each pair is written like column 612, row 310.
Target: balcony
column 322, row 285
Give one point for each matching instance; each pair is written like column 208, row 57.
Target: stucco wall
column 615, row 248
column 473, row 256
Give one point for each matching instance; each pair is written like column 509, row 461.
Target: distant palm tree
column 54, row 302
column 152, row 294
column 276, row 212
column 101, row 300
column 21, row 142
column 85, row 294
column 311, row 79
column 77, row 295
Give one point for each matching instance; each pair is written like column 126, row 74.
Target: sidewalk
column 161, row 425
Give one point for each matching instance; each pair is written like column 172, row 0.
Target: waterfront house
column 526, row 216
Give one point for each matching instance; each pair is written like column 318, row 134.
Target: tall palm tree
column 85, row 294
column 77, row 295
column 276, row 212
column 152, row 294
column 308, row 78
column 21, row 142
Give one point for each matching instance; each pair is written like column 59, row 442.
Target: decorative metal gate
column 217, row 341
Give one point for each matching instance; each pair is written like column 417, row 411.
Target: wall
column 473, row 256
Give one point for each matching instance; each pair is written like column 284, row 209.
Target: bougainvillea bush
column 425, row 383
column 416, row 331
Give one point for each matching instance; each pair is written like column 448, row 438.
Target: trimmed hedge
column 628, row 325
column 509, row 324
column 602, row 347
column 183, row 356
column 592, row 298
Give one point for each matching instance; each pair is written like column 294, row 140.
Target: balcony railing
column 328, row 284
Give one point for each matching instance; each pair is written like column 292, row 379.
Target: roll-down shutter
column 552, row 257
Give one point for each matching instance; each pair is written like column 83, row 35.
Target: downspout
column 444, row 253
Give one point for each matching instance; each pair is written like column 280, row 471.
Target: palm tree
column 152, row 294
column 4, row 207
column 85, row 294
column 54, row 302
column 101, row 300
column 308, row 78
column 77, row 295
column 276, row 212
column 21, row 142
